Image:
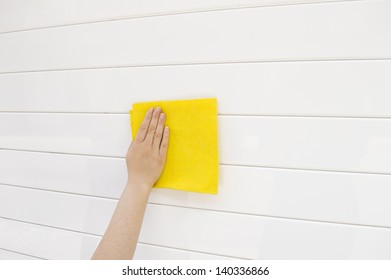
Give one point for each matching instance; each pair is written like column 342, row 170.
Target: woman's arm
column 145, row 160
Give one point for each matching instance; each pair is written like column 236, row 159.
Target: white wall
column 304, row 125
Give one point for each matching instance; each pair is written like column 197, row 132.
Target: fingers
column 153, row 125
column 157, row 139
column 142, row 131
column 153, row 131
column 164, row 144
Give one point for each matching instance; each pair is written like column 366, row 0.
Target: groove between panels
column 144, row 243
column 204, row 210
column 61, row 153
column 278, row 217
column 126, row 114
column 192, row 251
column 305, row 169
column 202, row 10
column 203, row 63
column 52, row 227
column 19, row 253
column 220, row 164
column 78, row 232
column 59, row 192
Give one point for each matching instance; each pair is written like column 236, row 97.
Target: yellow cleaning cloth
column 192, row 158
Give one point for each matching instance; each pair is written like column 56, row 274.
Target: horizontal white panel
column 336, row 88
column 262, row 238
column 97, row 176
column 8, row 255
column 356, row 198
column 359, row 145
column 354, row 29
column 46, row 242
column 97, row 134
column 50, row 243
column 153, row 252
column 227, row 234
column 344, row 144
column 73, row 212
column 43, row 13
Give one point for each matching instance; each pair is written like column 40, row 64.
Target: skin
column 145, row 161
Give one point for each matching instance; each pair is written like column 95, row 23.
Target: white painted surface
column 145, row 251
column 8, row 255
column 355, row 198
column 315, row 88
column 304, row 125
column 318, row 31
column 255, row 237
column 78, row 213
column 95, row 176
column 52, row 243
column 96, row 134
column 73, row 11
column 227, row 234
column 45, row 242
column 338, row 144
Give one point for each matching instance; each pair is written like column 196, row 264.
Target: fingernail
column 158, row 108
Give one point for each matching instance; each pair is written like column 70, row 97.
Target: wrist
column 140, row 185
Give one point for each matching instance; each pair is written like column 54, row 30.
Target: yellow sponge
column 192, row 159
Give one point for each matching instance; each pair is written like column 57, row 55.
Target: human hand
column 147, row 153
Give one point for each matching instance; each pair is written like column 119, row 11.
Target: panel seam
column 19, row 253
column 184, row 12
column 193, row 251
column 220, row 164
column 128, row 114
column 223, row 212
column 189, row 63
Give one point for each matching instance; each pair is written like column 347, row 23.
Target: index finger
column 142, row 131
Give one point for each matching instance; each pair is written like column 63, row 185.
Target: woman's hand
column 147, row 153
column 145, row 160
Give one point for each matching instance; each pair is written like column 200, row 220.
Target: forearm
column 120, row 239
column 145, row 161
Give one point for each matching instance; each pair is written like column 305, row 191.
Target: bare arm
column 145, row 160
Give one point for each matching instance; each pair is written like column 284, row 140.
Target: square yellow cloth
column 192, row 158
